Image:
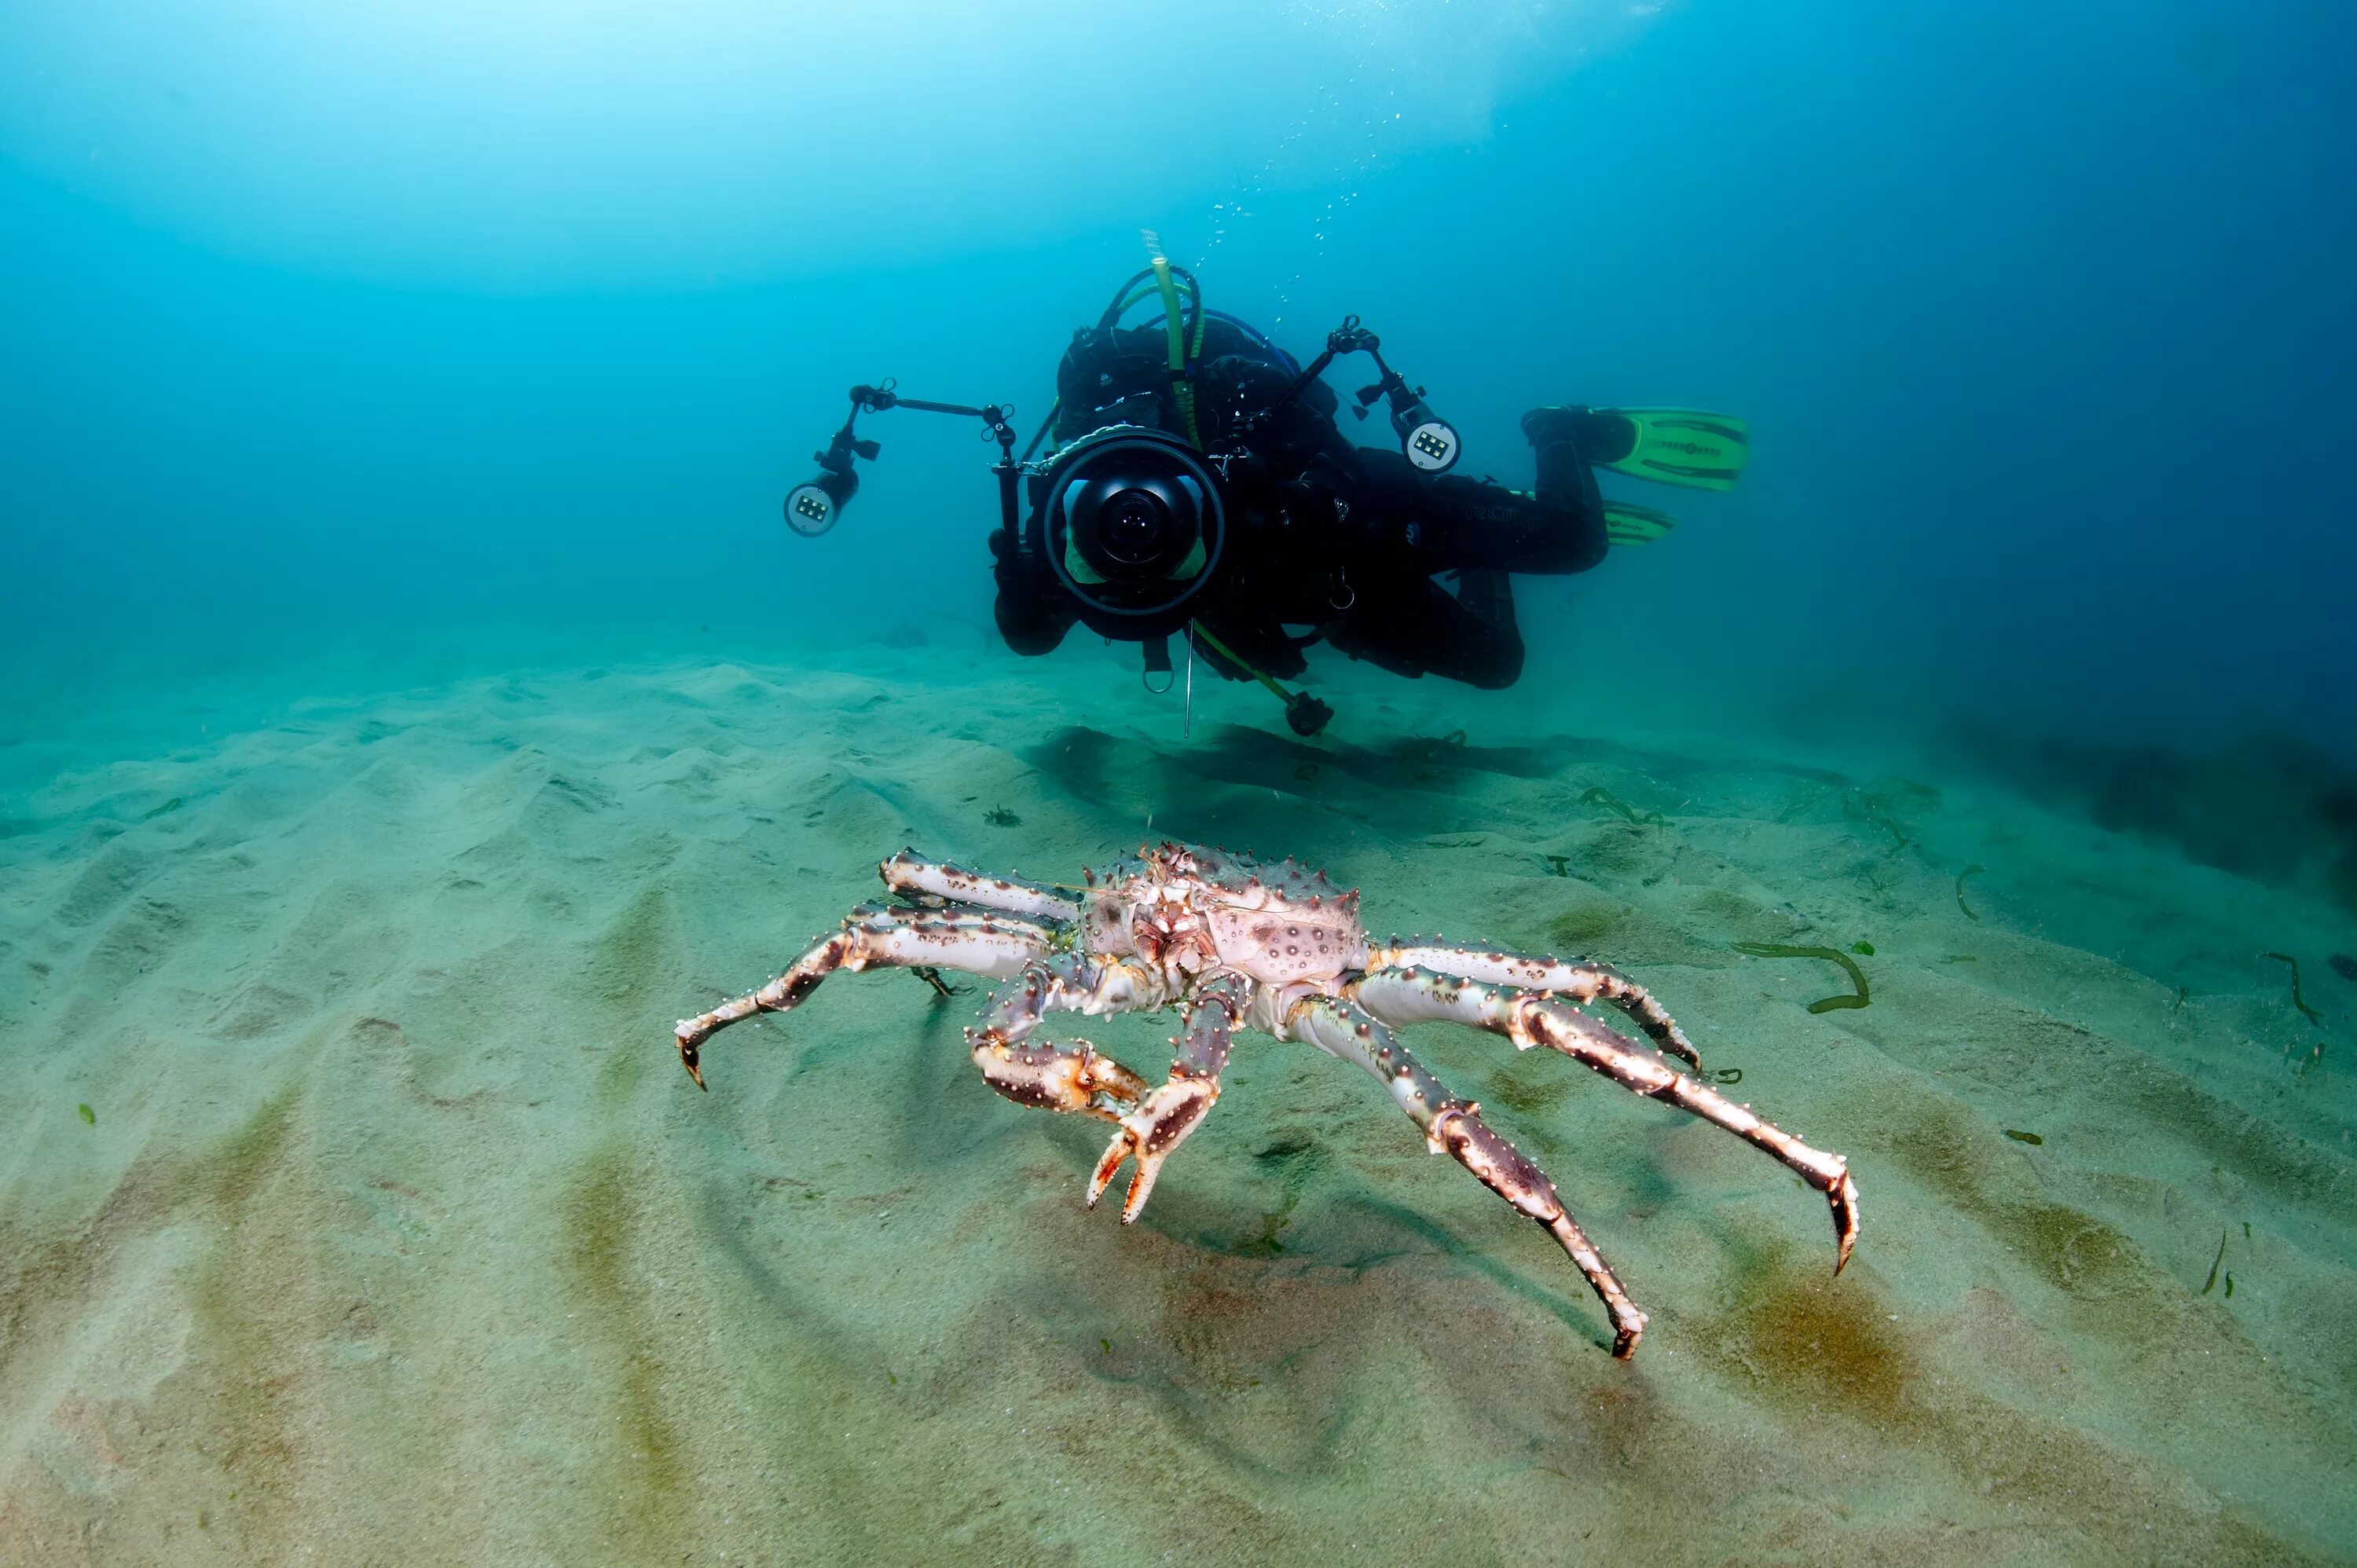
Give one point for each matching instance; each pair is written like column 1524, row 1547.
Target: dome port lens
column 1135, row 521
column 1133, row 524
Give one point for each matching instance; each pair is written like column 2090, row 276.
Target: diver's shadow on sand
column 1090, row 763
column 1210, row 790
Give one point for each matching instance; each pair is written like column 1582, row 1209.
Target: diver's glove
column 1031, row 619
column 1009, row 566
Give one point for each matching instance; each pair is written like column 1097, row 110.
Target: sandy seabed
column 394, row 1233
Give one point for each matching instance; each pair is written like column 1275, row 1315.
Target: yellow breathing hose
column 1176, row 324
column 1224, row 651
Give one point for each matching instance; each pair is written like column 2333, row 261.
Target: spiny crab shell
column 1191, row 910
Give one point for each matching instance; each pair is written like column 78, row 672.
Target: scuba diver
column 1198, row 484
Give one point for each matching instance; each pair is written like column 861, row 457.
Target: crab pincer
column 1161, row 1122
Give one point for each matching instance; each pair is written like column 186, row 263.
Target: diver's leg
column 1452, row 522
column 1343, row 1028
column 1418, row 627
column 1488, row 594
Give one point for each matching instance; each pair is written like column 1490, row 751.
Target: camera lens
column 1134, row 522
column 1131, row 522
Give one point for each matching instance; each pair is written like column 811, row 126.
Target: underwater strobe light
column 811, row 509
column 1431, row 445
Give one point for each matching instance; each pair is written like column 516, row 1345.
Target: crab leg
column 994, row 946
column 1053, row 1077
column 1163, row 1118
column 1582, row 981
column 1342, row 1027
column 1537, row 1018
column 909, row 872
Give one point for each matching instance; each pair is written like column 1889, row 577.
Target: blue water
column 476, row 317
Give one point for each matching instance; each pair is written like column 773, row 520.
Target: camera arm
column 811, row 507
column 1428, row 442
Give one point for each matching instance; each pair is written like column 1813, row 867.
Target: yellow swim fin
column 1625, row 522
column 1676, row 446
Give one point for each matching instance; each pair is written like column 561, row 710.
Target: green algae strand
column 1831, row 955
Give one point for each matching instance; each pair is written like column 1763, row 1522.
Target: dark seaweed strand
column 1831, row 955
column 2213, row 1280
column 1968, row 871
column 2296, row 999
column 1598, row 795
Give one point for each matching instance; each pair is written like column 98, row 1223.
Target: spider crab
column 1233, row 943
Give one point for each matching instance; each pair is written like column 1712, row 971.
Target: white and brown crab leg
column 1342, row 1027
column 1052, row 1077
column 993, row 945
column 1409, row 995
column 911, row 873
column 1581, row 981
column 1161, row 1122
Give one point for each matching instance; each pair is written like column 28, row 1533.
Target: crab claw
column 1843, row 1197
column 689, row 1058
column 1161, row 1122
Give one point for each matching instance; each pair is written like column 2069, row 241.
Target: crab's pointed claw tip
column 1624, row 1343
column 1103, row 1176
column 1844, row 1199
column 1141, row 1183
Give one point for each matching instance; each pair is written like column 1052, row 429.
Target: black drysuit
column 1348, row 541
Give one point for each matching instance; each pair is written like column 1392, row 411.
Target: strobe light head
column 811, row 509
column 1431, row 445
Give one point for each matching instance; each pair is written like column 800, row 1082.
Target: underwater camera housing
column 1133, row 523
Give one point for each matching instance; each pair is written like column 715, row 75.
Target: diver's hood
column 1132, row 521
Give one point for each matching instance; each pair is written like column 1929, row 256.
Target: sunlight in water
column 630, row 144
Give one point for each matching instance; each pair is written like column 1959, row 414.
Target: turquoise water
column 414, row 704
